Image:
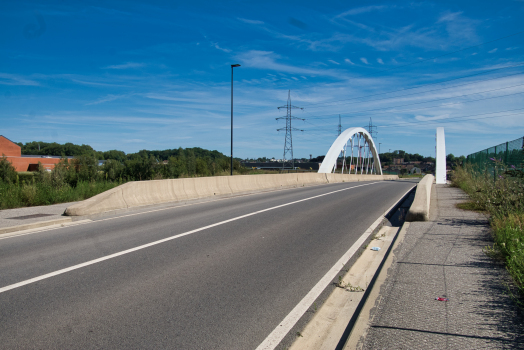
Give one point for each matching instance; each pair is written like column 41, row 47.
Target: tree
column 7, row 171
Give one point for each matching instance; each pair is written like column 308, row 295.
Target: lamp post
column 232, row 66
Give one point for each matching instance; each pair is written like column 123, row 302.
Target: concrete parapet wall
column 140, row 193
column 419, row 210
column 336, row 178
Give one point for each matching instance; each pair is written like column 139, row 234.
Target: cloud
column 12, row 79
column 379, row 60
column 360, row 10
column 249, row 21
column 347, row 60
column 108, row 98
column 424, row 118
column 128, row 65
column 297, row 23
column 334, row 62
column 268, row 60
column 512, row 48
column 459, row 27
column 493, row 51
column 32, row 31
column 364, row 60
column 215, row 45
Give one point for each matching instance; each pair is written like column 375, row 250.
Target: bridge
column 220, row 270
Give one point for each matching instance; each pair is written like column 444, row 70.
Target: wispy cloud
column 493, row 51
column 361, row 10
column 268, row 60
column 250, row 21
column 13, row 79
column 424, row 118
column 379, row 60
column 347, row 60
column 364, row 60
column 334, row 62
column 128, row 65
column 107, row 98
column 216, row 46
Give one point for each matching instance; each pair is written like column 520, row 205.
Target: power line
column 447, row 54
column 440, row 99
column 453, row 119
column 456, row 119
column 428, row 84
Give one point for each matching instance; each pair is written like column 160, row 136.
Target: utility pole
column 288, row 143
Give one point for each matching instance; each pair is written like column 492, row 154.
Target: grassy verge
column 503, row 199
column 33, row 194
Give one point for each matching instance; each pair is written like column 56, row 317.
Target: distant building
column 398, row 161
column 13, row 153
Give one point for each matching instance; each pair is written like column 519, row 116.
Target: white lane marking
column 111, row 256
column 83, row 222
column 30, row 231
column 283, row 328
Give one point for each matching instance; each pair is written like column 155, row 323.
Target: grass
column 503, row 199
column 34, row 194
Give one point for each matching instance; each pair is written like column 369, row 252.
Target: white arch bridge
column 357, row 145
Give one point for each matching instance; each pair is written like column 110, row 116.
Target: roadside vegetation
column 81, row 177
column 501, row 195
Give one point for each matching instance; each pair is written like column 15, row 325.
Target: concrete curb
column 35, row 225
column 419, row 210
column 328, row 325
column 362, row 322
column 141, row 193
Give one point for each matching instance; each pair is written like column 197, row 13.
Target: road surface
column 221, row 274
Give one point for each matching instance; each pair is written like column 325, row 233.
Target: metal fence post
column 495, row 166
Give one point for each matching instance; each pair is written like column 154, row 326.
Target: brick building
column 13, row 153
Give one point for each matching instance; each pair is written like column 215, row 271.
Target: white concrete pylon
column 440, row 155
column 329, row 162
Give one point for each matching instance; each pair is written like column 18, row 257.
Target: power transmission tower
column 339, row 125
column 372, row 129
column 288, row 143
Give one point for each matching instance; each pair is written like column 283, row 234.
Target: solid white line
column 91, row 262
column 283, row 328
column 83, row 222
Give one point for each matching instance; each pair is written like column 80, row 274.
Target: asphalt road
column 225, row 275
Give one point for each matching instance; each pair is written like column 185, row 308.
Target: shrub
column 7, row 171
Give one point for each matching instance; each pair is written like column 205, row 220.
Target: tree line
column 119, row 166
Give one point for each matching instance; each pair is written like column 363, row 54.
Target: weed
column 299, row 334
column 348, row 286
column 502, row 198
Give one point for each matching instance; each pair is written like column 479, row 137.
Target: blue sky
column 133, row 75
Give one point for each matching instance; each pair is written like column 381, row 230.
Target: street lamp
column 232, row 66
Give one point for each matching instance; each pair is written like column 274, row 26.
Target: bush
column 7, row 171
column 503, row 198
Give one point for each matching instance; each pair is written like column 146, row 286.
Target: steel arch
column 340, row 145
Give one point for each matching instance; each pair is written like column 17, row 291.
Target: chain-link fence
column 508, row 153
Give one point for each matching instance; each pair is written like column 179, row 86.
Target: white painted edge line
column 276, row 336
column 30, row 231
column 111, row 256
column 90, row 221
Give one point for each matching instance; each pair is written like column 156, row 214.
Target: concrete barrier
column 419, row 210
column 140, row 193
column 310, row 178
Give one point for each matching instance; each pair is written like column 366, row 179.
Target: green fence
column 509, row 153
